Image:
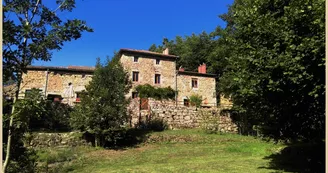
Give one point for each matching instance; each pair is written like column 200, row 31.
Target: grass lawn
column 169, row 151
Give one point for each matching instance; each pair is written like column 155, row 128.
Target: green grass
column 171, row 151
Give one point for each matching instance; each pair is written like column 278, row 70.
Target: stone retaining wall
column 179, row 116
column 41, row 140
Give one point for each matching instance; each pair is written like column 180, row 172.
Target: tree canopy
column 270, row 59
column 275, row 74
column 32, row 31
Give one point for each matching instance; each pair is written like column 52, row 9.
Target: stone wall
column 58, row 83
column 206, row 89
column 41, row 140
column 178, row 116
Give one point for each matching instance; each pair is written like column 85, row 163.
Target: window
column 157, row 78
column 158, row 61
column 185, row 102
column 135, row 76
column 78, row 96
column 54, row 97
column 194, row 83
column 135, row 59
column 134, row 95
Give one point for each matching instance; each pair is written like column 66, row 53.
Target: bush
column 195, row 100
column 22, row 159
column 55, row 117
column 157, row 124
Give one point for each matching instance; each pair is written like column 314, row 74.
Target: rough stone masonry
column 144, row 67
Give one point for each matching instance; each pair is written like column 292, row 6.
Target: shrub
column 54, row 118
column 195, row 100
column 157, row 124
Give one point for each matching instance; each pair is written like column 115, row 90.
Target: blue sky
column 134, row 24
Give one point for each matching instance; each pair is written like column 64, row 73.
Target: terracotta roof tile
column 86, row 69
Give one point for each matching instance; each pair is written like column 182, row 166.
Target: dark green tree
column 275, row 73
column 31, row 31
column 192, row 50
column 103, row 107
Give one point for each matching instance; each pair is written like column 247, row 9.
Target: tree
column 103, row 107
column 275, row 73
column 23, row 159
column 192, row 50
column 31, row 31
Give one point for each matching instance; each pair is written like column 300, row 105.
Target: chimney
column 202, row 68
column 166, row 51
column 181, row 69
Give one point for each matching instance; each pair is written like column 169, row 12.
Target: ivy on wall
column 148, row 91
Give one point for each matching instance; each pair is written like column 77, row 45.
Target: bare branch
column 34, row 10
column 59, row 6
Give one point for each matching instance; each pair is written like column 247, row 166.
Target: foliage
column 192, row 50
column 103, row 105
column 32, row 31
column 209, row 48
column 55, row 117
column 209, row 121
column 22, row 159
column 195, row 100
column 148, row 91
column 275, row 74
column 155, row 123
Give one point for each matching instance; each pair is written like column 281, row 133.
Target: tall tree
column 193, row 50
column 31, row 31
column 103, row 105
column 276, row 71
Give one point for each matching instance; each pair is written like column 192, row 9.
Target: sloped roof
column 146, row 52
column 84, row 69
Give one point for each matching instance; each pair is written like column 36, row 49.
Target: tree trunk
column 96, row 140
column 5, row 164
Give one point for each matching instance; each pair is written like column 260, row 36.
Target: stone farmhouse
column 157, row 69
column 65, row 84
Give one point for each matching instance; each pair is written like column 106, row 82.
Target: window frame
column 157, row 81
column 193, row 82
column 133, row 76
column 186, row 102
column 135, row 95
column 157, row 60
column 135, row 59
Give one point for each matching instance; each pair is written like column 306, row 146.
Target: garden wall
column 69, row 139
column 179, row 116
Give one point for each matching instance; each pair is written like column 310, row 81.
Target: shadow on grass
column 121, row 139
column 301, row 158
